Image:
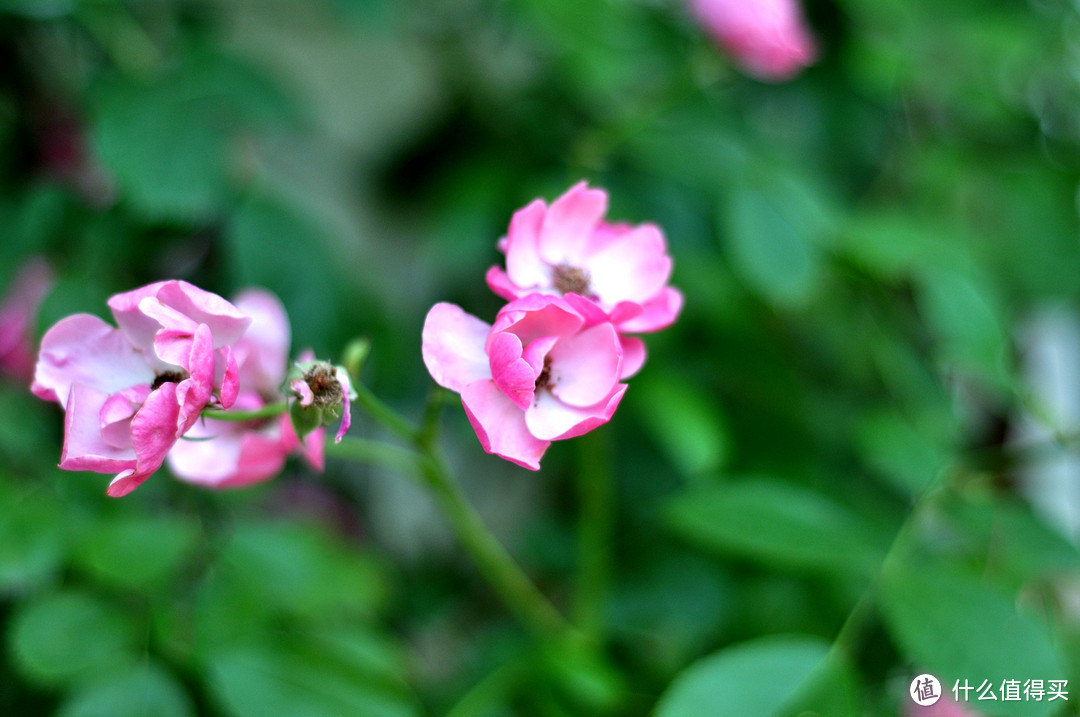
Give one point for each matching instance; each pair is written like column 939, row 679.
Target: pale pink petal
column 536, row 316
column 194, row 392
column 500, row 425
column 569, row 222
column 84, row 448
column 209, row 453
column 263, row 351
column 499, row 282
column 588, row 309
column 167, row 317
column 117, row 412
column 633, row 356
column 657, row 313
column 84, row 349
column 346, row 412
column 768, row 38
column 453, row 347
column 586, row 366
column 31, row 283
column 551, row 419
column 303, row 391
column 153, row 433
column 137, row 326
column 314, row 447
column 227, row 323
column 635, row 268
column 511, row 373
column 229, row 380
column 524, row 267
column 537, row 351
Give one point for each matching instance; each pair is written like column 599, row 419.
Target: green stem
column 268, row 411
column 595, row 484
column 385, row 415
column 362, row 450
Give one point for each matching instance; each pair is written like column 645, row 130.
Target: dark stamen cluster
column 166, row 377
column 571, row 279
column 544, row 378
column 324, row 385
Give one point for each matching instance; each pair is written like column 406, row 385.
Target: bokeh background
column 853, row 459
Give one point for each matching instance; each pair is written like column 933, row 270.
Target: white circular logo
column 925, row 690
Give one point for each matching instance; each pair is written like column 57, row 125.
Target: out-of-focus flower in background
column 29, row 287
column 218, row 453
column 768, row 38
column 131, row 392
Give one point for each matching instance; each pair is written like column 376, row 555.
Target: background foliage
column 816, row 490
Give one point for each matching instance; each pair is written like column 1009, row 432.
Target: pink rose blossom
column 768, row 38
column 944, row 707
column 223, row 454
column 32, row 282
column 612, row 272
column 545, row 371
column 130, row 392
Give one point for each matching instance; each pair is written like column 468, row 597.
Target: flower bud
column 322, row 391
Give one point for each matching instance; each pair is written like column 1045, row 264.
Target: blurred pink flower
column 945, row 707
column 613, row 272
column 768, row 38
column 223, row 454
column 545, row 371
column 130, row 393
column 31, row 283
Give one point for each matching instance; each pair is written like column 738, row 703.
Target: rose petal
column 633, row 356
column 657, row 313
column 262, row 353
column 194, row 392
column 569, row 222
column 153, row 433
column 524, row 267
column 84, row 349
column 586, row 366
column 227, row 323
column 346, row 393
column 550, row 419
column 499, row 282
column 84, row 448
column 511, row 373
column 229, row 381
column 500, row 425
column 634, row 268
column 453, row 347
column 117, row 412
column 536, row 316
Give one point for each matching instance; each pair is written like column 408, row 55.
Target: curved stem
column 362, row 450
column 595, row 527
column 385, row 415
column 268, row 411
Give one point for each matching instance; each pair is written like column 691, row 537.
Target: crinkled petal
column 137, row 326
column 500, row 425
column 537, row 351
column 568, row 224
column 537, row 315
column 592, row 312
column 635, row 268
column 194, row 392
column 84, row 448
column 551, row 419
column 586, row 366
column 227, row 323
column 84, row 349
column 303, row 391
column 263, row 351
column 633, row 356
column 657, row 313
column 117, row 412
column 153, row 433
column 524, row 267
column 499, row 282
column 167, row 317
column 346, row 395
column 512, row 374
column 209, row 453
column 453, row 347
column 227, row 377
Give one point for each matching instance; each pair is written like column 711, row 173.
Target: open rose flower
column 130, row 392
column 32, row 282
column 545, row 371
column 218, row 453
column 768, row 38
column 616, row 272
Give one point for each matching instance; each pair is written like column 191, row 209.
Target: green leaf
column 776, row 524
column 134, row 551
column 32, row 549
column 689, row 428
column 147, row 691
column 755, row 679
column 71, row 636
column 957, row 626
column 304, row 679
column 771, row 246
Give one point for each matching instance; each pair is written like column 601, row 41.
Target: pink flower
column 130, row 393
column 767, row 37
column 944, row 707
column 613, row 272
column 545, row 371
column 223, row 454
column 31, row 284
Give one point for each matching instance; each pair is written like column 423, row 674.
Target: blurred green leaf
column 687, row 425
column 71, row 636
column 145, row 691
column 32, row 548
column 777, row 524
column 135, row 551
column 907, row 453
column 957, row 626
column 771, row 247
column 754, row 679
